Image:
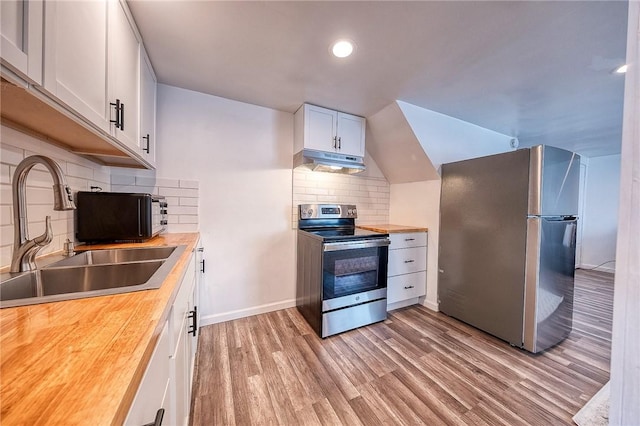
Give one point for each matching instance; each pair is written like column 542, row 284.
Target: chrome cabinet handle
column 339, row 142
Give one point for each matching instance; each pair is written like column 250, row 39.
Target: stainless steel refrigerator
column 508, row 227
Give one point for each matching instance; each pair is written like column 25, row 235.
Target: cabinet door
column 351, row 130
column 153, row 391
column 320, row 128
column 147, row 110
column 21, row 38
column 124, row 74
column 182, row 388
column 75, row 57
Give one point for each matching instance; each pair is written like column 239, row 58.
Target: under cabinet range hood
column 331, row 162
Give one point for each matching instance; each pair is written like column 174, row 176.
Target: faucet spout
column 25, row 249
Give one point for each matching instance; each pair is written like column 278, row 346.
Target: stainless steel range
column 342, row 270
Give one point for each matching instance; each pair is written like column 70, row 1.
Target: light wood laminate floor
column 417, row 367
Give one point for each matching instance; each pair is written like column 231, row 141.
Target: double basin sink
column 91, row 273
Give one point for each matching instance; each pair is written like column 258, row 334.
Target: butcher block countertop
column 81, row 361
column 387, row 228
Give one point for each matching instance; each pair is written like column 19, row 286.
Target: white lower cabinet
column 181, row 367
column 407, row 269
column 167, row 381
column 154, row 390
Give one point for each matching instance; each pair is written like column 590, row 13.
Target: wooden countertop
column 387, row 228
column 81, row 361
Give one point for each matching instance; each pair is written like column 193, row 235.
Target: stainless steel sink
column 95, row 273
column 96, row 257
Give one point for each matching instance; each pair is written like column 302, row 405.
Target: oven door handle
column 355, row 245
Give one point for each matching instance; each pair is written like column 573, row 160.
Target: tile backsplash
column 369, row 193
column 81, row 174
column 182, row 195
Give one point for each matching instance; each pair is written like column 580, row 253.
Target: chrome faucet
column 24, row 249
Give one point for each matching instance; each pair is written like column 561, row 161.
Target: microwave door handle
column 139, row 219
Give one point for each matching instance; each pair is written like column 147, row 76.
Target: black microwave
column 119, row 216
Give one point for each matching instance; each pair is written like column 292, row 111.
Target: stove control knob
column 354, row 212
column 309, row 212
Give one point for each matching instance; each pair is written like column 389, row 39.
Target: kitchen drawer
column 403, row 287
column 406, row 261
column 404, row 240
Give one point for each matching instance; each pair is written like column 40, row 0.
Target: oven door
column 354, row 272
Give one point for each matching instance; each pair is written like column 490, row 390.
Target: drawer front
column 406, row 261
column 404, row 240
column 403, row 287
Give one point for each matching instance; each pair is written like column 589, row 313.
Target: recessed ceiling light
column 342, row 48
column 621, row 69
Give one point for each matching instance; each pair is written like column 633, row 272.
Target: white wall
column 242, row 156
column 418, row 204
column 600, row 221
column 80, row 175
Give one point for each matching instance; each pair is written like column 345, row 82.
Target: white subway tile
column 172, row 201
column 194, row 184
column 187, row 201
column 178, row 192
column 184, row 210
column 79, row 171
column 5, row 173
column 123, row 180
column 146, row 181
column 10, row 154
column 6, row 197
column 104, row 178
column 6, row 235
column 316, row 191
column 77, row 184
column 6, row 214
column 188, row 219
column 39, row 195
column 5, row 255
column 183, row 227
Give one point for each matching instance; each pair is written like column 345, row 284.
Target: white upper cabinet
column 351, row 134
column 123, row 76
column 75, row 57
column 21, row 38
column 326, row 130
column 148, row 87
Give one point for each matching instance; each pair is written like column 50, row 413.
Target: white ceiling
column 539, row 71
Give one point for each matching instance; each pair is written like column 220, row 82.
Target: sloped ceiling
column 410, row 143
column 536, row 70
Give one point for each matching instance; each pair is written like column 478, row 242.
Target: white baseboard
column 603, row 268
column 247, row 312
column 431, row 305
